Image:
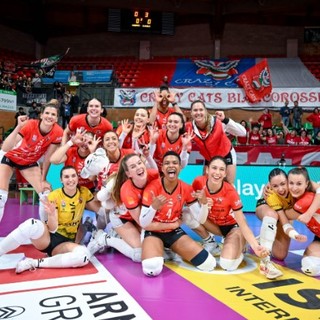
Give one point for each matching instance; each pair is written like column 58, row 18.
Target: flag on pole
column 46, row 66
column 256, row 81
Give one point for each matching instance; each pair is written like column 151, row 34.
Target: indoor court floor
column 114, row 287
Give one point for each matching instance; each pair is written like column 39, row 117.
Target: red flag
column 256, row 81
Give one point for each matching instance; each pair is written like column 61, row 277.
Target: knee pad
column 3, row 198
column 153, row 266
column 230, row 264
column 268, row 232
column 136, row 255
column 204, row 261
column 188, row 219
column 79, row 256
column 311, row 266
column 29, row 229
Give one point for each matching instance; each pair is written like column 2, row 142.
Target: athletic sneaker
column 26, row 264
column 269, row 270
column 98, row 241
column 212, row 247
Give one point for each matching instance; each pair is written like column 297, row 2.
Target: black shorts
column 261, row 202
column 12, row 164
column 226, row 229
column 168, row 238
column 227, row 157
column 55, row 240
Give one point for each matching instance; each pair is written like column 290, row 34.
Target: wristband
column 70, row 143
column 225, row 120
column 292, row 234
column 318, row 191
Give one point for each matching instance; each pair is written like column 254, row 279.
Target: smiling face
column 136, row 169
column 216, row 172
column 297, row 184
column 174, row 123
column 49, row 116
column 69, row 179
column 110, row 141
column 199, row 113
column 141, row 117
column 279, row 185
column 94, row 108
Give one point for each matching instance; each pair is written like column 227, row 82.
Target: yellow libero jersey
column 70, row 210
column 277, row 202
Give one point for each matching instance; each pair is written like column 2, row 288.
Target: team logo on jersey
column 63, row 204
column 80, row 200
column 74, row 159
column 34, row 138
column 179, row 197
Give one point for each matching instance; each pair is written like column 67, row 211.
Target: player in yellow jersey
column 271, row 211
column 56, row 237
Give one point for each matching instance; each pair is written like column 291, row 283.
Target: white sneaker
column 212, row 247
column 98, row 241
column 26, row 264
column 269, row 270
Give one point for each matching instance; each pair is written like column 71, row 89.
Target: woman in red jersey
column 161, row 109
column 26, row 144
column 163, row 202
column 92, row 121
column 122, row 196
column 132, row 135
column 300, row 188
column 210, row 137
column 74, row 153
column 225, row 216
column 173, row 138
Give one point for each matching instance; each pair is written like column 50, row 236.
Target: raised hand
column 126, row 126
column 220, row 115
column 186, row 138
column 154, row 133
column 200, row 195
column 158, row 201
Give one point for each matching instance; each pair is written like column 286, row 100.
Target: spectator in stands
column 314, row 118
column 33, row 111
column 58, row 90
column 244, row 140
column 36, row 81
column 75, row 101
column 304, row 139
column 255, row 135
column 271, row 138
column 291, row 136
column 297, row 113
column 265, row 120
column 165, row 82
column 20, row 112
column 66, row 110
column 316, row 140
column 161, row 110
column 84, row 106
column 280, row 137
column 285, row 113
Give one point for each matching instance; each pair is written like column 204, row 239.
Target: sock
column 121, row 246
column 42, row 213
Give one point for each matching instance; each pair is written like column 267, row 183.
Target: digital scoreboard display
column 141, row 20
